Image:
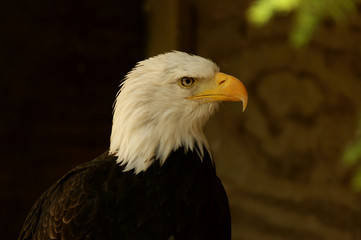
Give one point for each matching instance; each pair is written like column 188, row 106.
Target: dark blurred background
column 60, row 66
column 282, row 161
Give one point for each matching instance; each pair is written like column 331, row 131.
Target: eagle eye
column 187, row 82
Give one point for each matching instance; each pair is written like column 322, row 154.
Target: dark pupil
column 187, row 81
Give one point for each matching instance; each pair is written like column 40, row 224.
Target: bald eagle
column 158, row 179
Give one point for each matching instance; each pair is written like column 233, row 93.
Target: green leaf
column 308, row 14
column 352, row 153
column 260, row 12
column 356, row 181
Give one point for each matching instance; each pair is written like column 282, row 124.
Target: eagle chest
column 163, row 198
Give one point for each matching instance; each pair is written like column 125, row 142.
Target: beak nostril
column 221, row 82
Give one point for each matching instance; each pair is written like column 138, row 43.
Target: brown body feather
column 97, row 200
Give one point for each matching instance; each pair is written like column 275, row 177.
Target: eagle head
column 163, row 104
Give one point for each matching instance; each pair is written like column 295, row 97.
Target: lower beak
column 222, row 87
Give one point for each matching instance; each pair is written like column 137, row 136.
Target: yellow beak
column 222, row 88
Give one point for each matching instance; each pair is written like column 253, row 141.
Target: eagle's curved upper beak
column 222, row 87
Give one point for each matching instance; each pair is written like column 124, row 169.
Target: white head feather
column 152, row 115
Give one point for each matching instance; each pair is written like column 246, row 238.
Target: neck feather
column 141, row 136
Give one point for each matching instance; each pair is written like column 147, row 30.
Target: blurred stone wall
column 280, row 160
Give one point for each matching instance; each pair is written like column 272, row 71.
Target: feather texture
column 152, row 116
column 183, row 199
column 173, row 193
